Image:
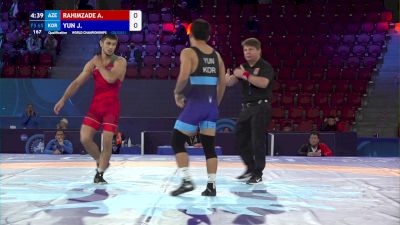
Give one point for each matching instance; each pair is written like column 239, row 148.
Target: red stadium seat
column 382, row 27
column 132, row 71
column 354, row 100
column 174, row 72
column 25, row 71
column 375, row 50
column 349, row 39
column 151, row 38
column 306, row 61
column 329, row 111
column 341, row 86
column 150, row 49
column 365, row 74
column 123, row 38
column 154, row 28
column 313, row 113
column 359, row 86
column 278, row 113
column 358, row 50
column 285, row 74
column 277, row 87
column 41, row 71
column 291, row 86
column 348, row 113
column 166, row 50
column 305, row 100
column 367, row 27
column 162, row 73
column 301, row 73
column 137, row 38
column 325, row 86
column 386, row 16
column 317, row 73
column 337, row 99
column 179, row 48
column 363, row 39
column 168, row 28
column 154, row 18
column 287, row 99
column 307, row 86
column 146, row 72
column 165, row 61
column 321, row 100
column 149, row 60
column 45, row 59
column 305, row 126
column 349, row 73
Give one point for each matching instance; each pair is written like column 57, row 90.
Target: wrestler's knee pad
column 208, row 143
column 178, row 141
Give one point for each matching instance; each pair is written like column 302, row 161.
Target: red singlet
column 105, row 106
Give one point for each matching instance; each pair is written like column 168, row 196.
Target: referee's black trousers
column 251, row 136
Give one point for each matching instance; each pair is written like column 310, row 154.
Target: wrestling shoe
column 98, row 178
column 255, row 179
column 244, row 177
column 186, row 186
column 210, row 190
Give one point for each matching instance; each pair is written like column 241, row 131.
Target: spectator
column 34, row 44
column 314, row 147
column 59, row 145
column 1, row 37
column 50, row 45
column 29, row 118
column 63, row 124
column 135, row 55
column 330, row 124
column 117, row 141
column 23, row 29
column 180, row 36
column 14, row 9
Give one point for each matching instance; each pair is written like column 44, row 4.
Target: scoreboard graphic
column 85, row 21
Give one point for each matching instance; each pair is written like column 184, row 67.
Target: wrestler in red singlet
column 105, row 104
column 108, row 72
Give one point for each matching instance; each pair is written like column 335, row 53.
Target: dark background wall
column 139, row 98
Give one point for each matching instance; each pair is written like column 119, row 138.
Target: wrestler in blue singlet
column 201, row 107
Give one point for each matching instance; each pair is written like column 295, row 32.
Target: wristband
column 246, row 74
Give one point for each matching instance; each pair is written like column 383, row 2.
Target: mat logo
column 35, row 144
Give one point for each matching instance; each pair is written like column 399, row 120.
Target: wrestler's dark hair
column 201, row 30
column 253, row 42
column 109, row 36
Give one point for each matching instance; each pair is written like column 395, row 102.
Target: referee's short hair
column 253, row 42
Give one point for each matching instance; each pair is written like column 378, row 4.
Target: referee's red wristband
column 246, row 74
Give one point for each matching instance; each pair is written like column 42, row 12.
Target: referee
column 256, row 77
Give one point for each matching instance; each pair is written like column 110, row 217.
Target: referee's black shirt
column 252, row 93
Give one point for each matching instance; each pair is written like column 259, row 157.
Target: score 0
column 135, row 20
